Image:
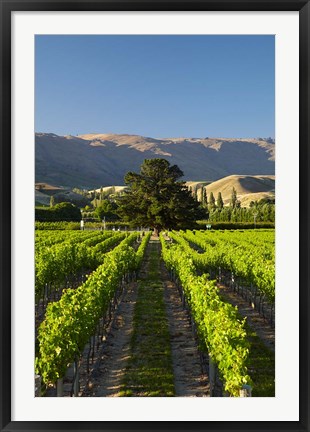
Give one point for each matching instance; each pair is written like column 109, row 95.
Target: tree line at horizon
column 258, row 211
column 156, row 197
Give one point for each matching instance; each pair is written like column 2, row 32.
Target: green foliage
column 142, row 247
column 98, row 197
column 261, row 364
column 82, row 192
column 212, row 205
column 204, row 197
column 234, row 225
column 149, row 369
column 218, row 324
column 77, row 199
column 57, row 262
column 234, row 199
column 59, row 212
column 219, row 201
column 156, row 198
column 262, row 213
column 42, row 226
column 76, row 225
column 107, row 210
column 70, row 322
column 250, row 255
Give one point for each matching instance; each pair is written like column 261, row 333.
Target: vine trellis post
column 60, row 387
column 37, row 385
column 212, row 367
column 246, row 391
column 76, row 378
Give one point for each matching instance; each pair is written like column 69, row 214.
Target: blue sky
column 156, row 86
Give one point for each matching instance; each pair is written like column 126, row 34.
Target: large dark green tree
column 156, row 197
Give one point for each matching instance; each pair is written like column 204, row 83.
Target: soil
column 189, row 379
column 107, row 374
column 190, row 371
column 263, row 330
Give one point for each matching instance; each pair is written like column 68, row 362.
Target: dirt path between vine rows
column 106, row 378
column 189, row 378
column 108, row 372
column 264, row 331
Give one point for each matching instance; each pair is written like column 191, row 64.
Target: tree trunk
column 156, row 232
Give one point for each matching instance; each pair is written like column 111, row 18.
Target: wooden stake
column 60, row 387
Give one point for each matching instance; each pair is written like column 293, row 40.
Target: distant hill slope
column 94, row 160
column 248, row 188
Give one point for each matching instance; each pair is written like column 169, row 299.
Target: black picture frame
column 7, row 7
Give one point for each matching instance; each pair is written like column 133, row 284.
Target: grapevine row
column 52, row 238
column 253, row 264
column 73, row 319
column 57, row 264
column 218, row 325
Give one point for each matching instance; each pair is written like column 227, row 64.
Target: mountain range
column 94, row 160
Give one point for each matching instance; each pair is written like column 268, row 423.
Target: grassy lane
column 149, row 370
column 261, row 362
column 261, row 366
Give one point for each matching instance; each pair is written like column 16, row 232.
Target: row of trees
column 210, row 203
column 216, row 211
column 257, row 213
column 97, row 197
column 155, row 197
column 59, row 212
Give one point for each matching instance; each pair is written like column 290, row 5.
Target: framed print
column 149, row 278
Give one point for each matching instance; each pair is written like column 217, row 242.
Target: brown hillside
column 88, row 161
column 248, row 188
column 117, row 189
column 46, row 187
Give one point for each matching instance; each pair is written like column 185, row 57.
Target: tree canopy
column 64, row 211
column 219, row 201
column 156, row 198
column 107, row 210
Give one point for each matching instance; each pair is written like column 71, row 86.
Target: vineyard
column 122, row 313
